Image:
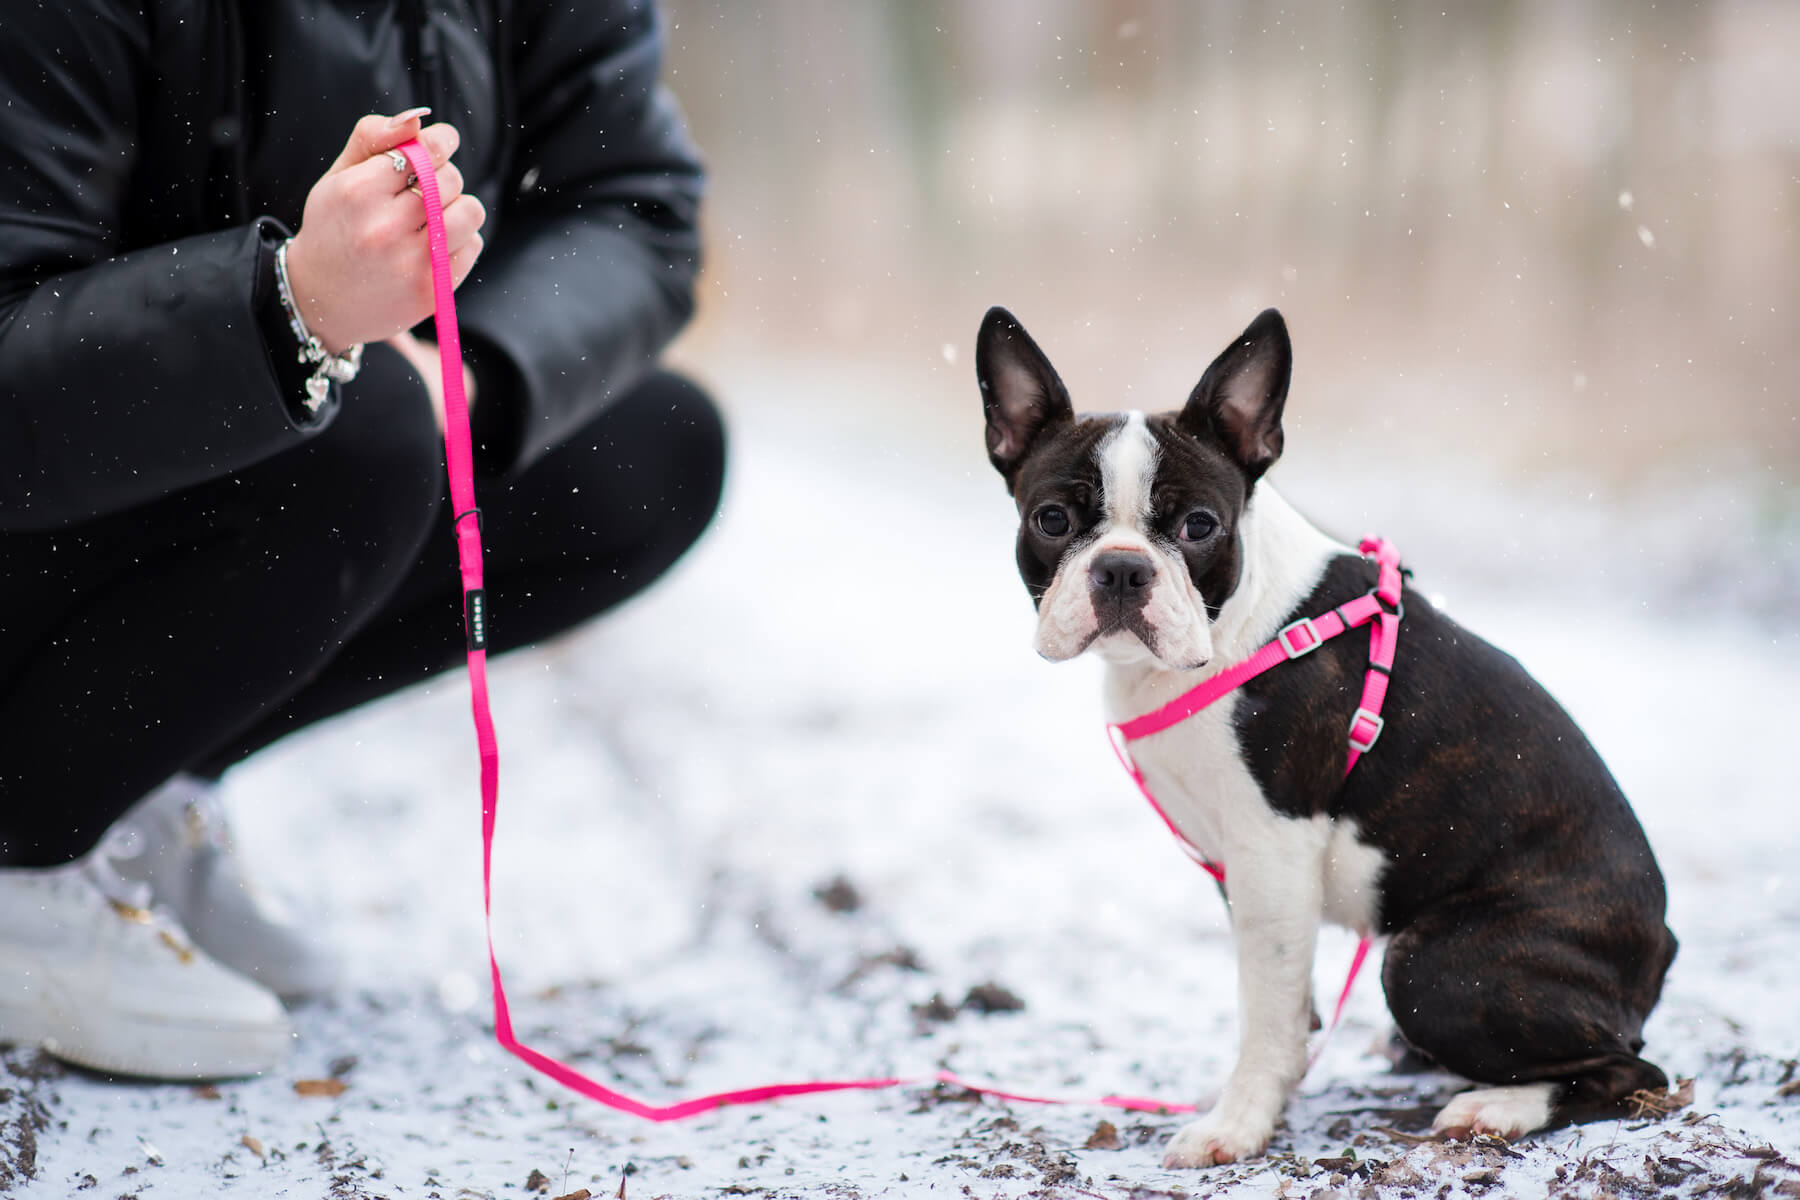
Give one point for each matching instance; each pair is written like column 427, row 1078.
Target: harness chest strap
column 1381, row 605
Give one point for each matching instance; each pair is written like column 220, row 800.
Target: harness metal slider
column 1359, row 742
column 1294, row 649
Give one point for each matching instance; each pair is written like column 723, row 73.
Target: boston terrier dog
column 1482, row 835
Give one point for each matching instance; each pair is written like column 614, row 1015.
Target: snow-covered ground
column 839, row 686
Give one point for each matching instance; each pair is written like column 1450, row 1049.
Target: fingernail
column 411, row 114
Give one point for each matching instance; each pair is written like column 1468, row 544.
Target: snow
column 839, row 684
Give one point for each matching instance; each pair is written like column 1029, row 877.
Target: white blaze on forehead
column 1127, row 458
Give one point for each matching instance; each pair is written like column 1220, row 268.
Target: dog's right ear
column 1241, row 396
column 1020, row 391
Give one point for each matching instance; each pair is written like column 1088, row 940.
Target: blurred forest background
column 1550, row 237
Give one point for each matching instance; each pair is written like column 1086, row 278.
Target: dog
column 1482, row 836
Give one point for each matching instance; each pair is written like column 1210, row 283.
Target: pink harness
column 459, row 464
column 1383, row 606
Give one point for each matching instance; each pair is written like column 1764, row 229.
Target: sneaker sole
column 143, row 1048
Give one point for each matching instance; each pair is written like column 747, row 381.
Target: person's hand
column 358, row 267
column 424, row 358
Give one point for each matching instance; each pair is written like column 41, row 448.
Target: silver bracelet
column 328, row 368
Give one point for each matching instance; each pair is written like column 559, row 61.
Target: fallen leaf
column 1660, row 1102
column 207, row 1091
column 986, row 998
column 577, row 1194
column 319, row 1087
column 1105, row 1137
column 252, row 1145
column 537, row 1181
column 838, row 895
column 936, row 1009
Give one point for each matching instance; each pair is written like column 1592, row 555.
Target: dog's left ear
column 1241, row 396
column 1021, row 393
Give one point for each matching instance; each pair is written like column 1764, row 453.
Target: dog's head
column 1129, row 531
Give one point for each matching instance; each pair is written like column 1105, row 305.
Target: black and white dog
column 1483, row 835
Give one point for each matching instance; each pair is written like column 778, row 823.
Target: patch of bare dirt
column 23, row 1114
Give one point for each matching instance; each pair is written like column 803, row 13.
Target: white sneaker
column 94, row 976
column 177, row 841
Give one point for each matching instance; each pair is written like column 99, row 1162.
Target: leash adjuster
column 1293, row 649
column 1365, row 728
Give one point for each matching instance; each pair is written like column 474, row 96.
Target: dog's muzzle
column 1119, row 584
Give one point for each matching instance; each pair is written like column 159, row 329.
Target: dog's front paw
column 1218, row 1137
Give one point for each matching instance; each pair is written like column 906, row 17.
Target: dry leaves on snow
column 1105, row 1137
column 319, row 1087
column 1660, row 1102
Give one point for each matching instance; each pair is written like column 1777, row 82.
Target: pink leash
column 459, row 464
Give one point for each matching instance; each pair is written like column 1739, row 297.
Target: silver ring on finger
column 401, row 166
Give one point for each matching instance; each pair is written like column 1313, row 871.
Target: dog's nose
column 1122, row 573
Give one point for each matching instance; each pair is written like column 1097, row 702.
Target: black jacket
column 152, row 154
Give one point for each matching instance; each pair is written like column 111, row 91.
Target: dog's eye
column 1052, row 520
column 1199, row 526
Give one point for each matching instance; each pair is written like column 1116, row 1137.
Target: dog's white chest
column 1196, row 769
column 1203, row 783
column 1199, row 778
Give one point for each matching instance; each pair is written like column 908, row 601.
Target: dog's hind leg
column 1517, row 1000
column 1508, row 1112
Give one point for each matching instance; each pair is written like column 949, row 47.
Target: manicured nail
column 411, row 114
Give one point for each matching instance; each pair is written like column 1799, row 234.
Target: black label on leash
column 475, row 618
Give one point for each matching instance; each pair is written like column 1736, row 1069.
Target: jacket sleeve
column 592, row 270
column 123, row 375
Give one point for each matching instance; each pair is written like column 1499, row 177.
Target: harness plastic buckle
column 1294, row 649
column 1365, row 728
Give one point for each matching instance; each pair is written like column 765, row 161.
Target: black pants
column 190, row 633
